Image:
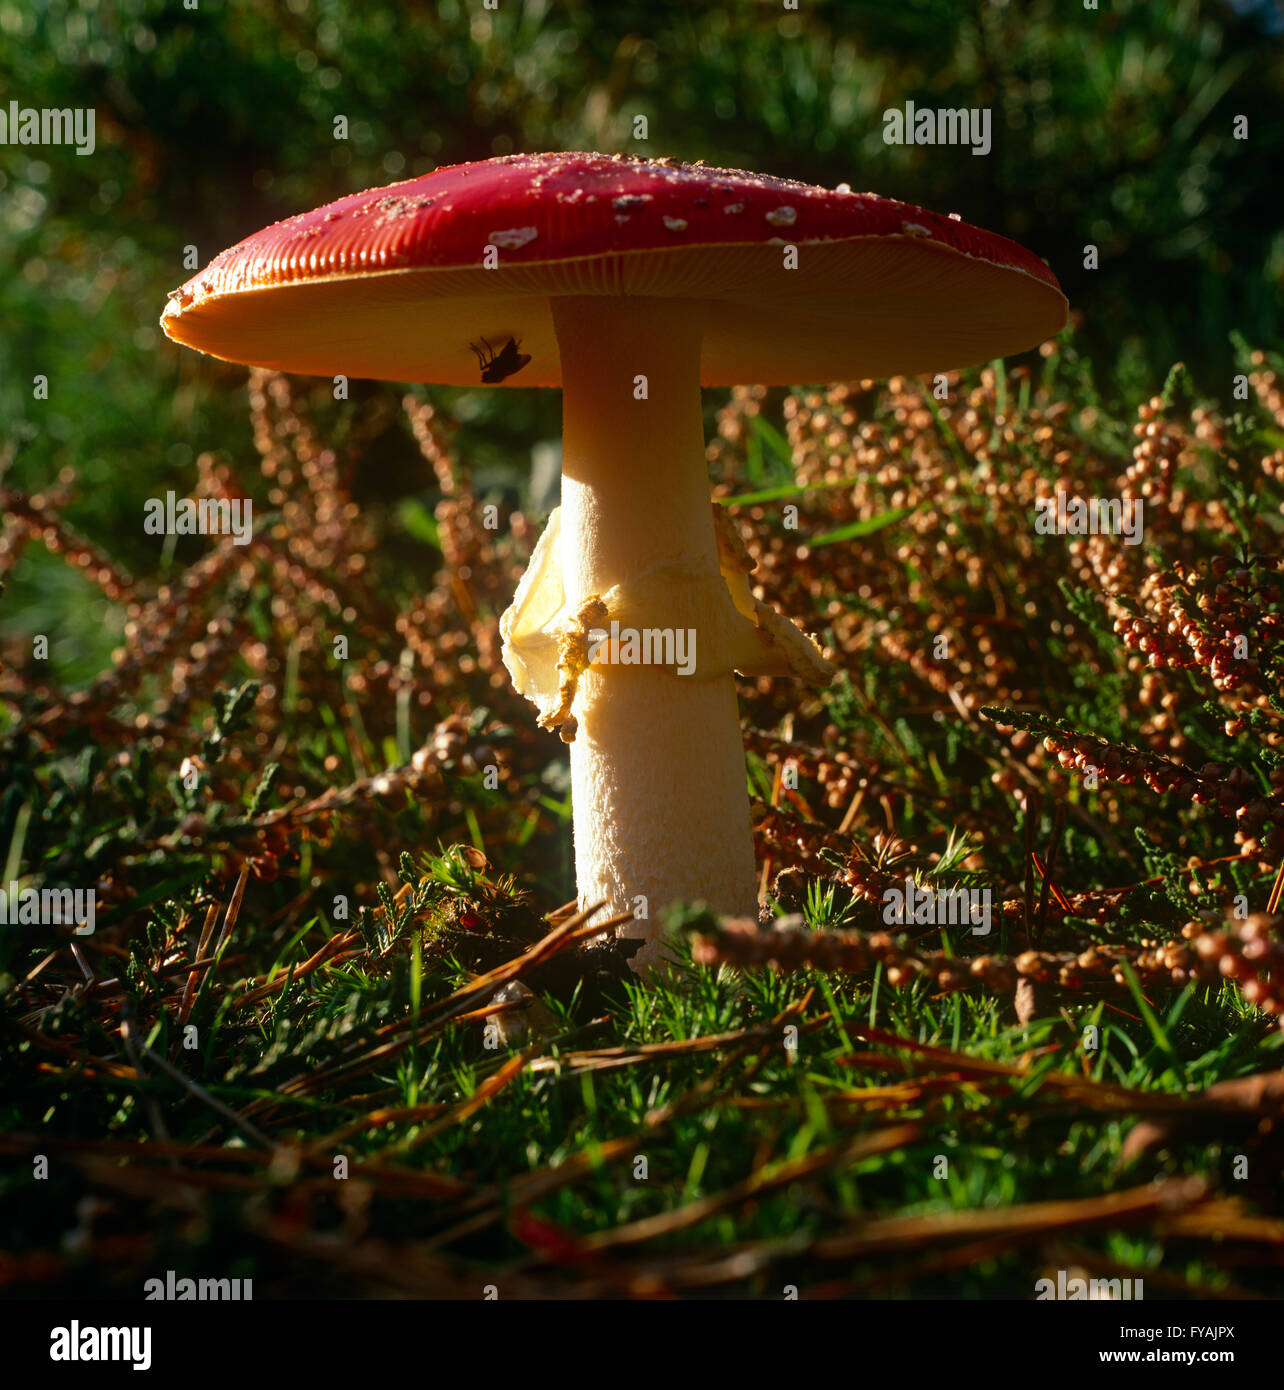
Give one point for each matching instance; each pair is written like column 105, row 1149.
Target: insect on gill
column 496, row 366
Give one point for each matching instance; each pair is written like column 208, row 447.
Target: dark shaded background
column 1112, row 126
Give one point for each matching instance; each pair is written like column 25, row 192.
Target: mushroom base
column 661, row 806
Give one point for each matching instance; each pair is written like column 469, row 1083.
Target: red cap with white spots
column 802, row 283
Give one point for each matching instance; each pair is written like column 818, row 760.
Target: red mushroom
column 629, row 283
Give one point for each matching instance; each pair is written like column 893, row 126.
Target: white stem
column 657, row 765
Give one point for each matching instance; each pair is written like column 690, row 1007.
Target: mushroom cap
column 394, row 284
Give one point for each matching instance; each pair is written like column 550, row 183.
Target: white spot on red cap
column 676, row 224
column 514, row 238
column 915, row 229
column 782, row 217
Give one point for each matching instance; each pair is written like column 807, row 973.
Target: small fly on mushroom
column 496, row 367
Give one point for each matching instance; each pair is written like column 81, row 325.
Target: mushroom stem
column 657, row 765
